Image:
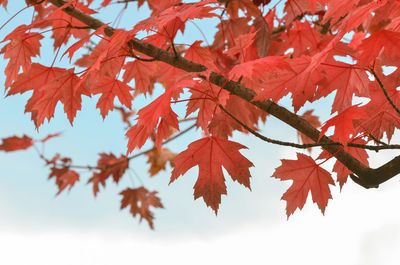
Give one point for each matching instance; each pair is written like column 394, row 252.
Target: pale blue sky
column 357, row 221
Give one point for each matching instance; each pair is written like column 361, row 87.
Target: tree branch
column 384, row 91
column 304, row 146
column 121, row 161
column 369, row 177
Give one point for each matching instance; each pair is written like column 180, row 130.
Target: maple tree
column 262, row 52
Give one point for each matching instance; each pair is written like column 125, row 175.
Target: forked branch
column 366, row 176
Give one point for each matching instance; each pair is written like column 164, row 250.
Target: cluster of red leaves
column 274, row 56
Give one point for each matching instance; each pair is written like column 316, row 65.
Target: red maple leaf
column 109, row 88
column 62, row 88
column 384, row 40
column 172, row 19
column 302, row 38
column 16, row 143
column 307, row 176
column 77, row 45
column 4, row 3
column 300, row 80
column 343, row 123
column 210, row 154
column 140, row 200
column 156, row 114
column 19, row 50
column 223, row 125
column 64, row 178
column 258, row 67
column 337, row 9
column 38, row 76
column 346, row 80
column 205, row 97
column 341, row 170
column 64, row 26
column 201, row 55
column 314, row 121
column 109, row 165
column 143, row 73
column 106, row 58
column 247, row 6
column 381, row 116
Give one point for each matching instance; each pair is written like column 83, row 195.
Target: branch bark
column 367, row 177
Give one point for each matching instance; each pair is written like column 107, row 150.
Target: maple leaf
column 247, row 6
column 380, row 116
column 143, row 73
column 223, row 125
column 64, row 178
column 346, row 80
column 341, row 170
column 140, row 200
column 106, row 59
column 109, row 165
column 307, row 176
column 242, row 45
column 158, row 160
column 205, row 97
column 77, row 45
column 300, row 80
column 201, row 55
column 210, row 154
column 159, row 6
column 19, row 50
column 169, row 21
column 337, row 9
column 4, row 3
column 113, row 166
column 64, row 26
column 36, row 77
column 358, row 16
column 235, row 26
column 262, row 39
column 109, row 88
column 63, row 88
column 302, row 38
column 171, row 77
column 294, row 8
column 126, row 115
column 343, row 123
column 314, row 121
column 258, row 67
column 384, row 40
column 156, row 114
column 16, row 143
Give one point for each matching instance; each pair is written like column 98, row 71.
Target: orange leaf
column 159, row 159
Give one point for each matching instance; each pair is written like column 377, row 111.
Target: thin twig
column 384, row 91
column 304, row 146
column 131, row 157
